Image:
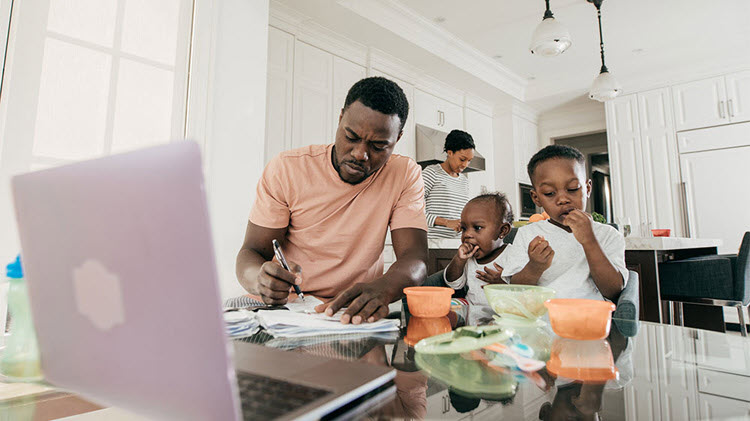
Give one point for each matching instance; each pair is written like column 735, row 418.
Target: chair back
column 742, row 271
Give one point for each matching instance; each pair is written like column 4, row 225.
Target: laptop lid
column 120, row 267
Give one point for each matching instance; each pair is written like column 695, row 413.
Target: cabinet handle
column 721, row 110
column 438, row 116
column 685, row 213
column 730, row 107
column 442, row 118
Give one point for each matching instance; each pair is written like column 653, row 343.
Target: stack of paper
column 241, row 323
column 302, row 320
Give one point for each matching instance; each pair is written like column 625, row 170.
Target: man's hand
column 581, row 224
column 453, row 224
column 274, row 282
column 540, row 254
column 365, row 301
column 466, row 251
column 491, row 276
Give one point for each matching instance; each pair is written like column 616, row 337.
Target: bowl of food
column 428, row 301
column 580, row 319
column 661, row 232
column 520, row 302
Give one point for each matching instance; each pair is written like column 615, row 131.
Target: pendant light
column 605, row 87
column 550, row 38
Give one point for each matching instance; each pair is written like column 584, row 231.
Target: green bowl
column 518, row 301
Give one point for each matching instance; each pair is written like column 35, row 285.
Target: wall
column 582, row 116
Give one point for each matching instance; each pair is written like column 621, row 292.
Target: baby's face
column 480, row 226
column 560, row 186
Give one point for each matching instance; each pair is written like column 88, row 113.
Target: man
column 330, row 207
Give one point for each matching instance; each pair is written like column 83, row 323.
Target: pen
column 285, row 265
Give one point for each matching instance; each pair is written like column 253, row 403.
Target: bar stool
column 721, row 280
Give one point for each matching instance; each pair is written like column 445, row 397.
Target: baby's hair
column 502, row 204
column 552, row 152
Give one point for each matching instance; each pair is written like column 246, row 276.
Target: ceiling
column 647, row 42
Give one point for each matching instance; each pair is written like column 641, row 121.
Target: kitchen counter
column 669, row 243
column 444, row 243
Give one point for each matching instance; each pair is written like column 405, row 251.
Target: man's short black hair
column 552, row 152
column 502, row 205
column 458, row 140
column 381, row 95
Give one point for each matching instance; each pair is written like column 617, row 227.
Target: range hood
column 430, row 144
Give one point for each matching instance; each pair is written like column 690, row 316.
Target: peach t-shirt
column 336, row 230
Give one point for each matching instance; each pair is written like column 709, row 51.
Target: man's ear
column 535, row 198
column 341, row 115
column 401, row 133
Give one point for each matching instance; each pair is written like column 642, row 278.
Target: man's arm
column 369, row 301
column 255, row 270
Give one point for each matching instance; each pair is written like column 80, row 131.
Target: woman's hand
column 453, row 224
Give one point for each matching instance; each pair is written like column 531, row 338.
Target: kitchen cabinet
column 437, row 113
column 313, row 96
column 525, row 145
column 279, row 98
column 407, row 145
column 345, row 74
column 479, row 126
column 717, row 407
column 712, row 102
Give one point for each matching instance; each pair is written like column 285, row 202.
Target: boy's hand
column 582, row 226
column 491, row 276
column 466, row 251
column 540, row 254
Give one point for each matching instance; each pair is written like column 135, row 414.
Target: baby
column 485, row 221
column 569, row 252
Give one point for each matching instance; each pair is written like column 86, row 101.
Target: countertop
column 444, row 243
column 669, row 243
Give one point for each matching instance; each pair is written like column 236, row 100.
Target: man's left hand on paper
column 365, row 302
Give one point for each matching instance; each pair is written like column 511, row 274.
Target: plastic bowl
column 428, row 301
column 580, row 319
column 661, row 232
column 524, row 301
column 587, row 361
column 422, row 327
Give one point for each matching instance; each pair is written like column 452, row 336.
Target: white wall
column 505, row 172
column 579, row 117
column 227, row 113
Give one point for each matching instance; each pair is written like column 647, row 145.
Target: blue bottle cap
column 14, row 270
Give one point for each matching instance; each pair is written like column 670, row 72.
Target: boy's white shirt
column 569, row 273
column 475, row 295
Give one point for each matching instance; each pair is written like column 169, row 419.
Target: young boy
column 485, row 221
column 569, row 252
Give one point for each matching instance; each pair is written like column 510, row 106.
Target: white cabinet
column 712, row 102
column 279, row 98
column 525, row 145
column 479, row 126
column 345, row 74
column 407, row 145
column 437, row 113
column 717, row 408
column 313, row 96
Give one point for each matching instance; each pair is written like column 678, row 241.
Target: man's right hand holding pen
column 275, row 282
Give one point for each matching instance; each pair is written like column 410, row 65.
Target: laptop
column 124, row 292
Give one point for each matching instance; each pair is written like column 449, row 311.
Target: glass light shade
column 605, row 87
column 550, row 38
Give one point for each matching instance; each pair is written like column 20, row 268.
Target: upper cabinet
column 345, row 74
column 712, row 102
column 279, row 97
column 313, row 96
column 437, row 113
column 525, row 145
column 407, row 145
column 479, row 126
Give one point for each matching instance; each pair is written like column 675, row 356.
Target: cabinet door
column 520, row 149
column 715, row 182
column 738, row 96
column 345, row 74
column 623, row 139
column 313, row 102
column 408, row 144
column 479, row 126
column 701, row 103
column 279, row 96
column 717, row 407
column 453, row 116
column 660, row 163
column 427, row 110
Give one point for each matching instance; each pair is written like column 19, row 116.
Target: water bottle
column 20, row 359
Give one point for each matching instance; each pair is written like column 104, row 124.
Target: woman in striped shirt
column 446, row 190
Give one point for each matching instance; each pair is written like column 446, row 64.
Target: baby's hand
column 540, row 254
column 491, row 276
column 466, row 251
column 581, row 224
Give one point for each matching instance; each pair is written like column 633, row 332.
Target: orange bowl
column 428, row 301
column 587, row 361
column 424, row 327
column 661, row 232
column 580, row 319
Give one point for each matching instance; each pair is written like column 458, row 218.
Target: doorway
column 594, row 149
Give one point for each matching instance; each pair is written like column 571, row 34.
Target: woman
column 446, row 190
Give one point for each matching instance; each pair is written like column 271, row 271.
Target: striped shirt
column 445, row 197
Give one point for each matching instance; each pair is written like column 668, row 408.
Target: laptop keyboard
column 267, row 398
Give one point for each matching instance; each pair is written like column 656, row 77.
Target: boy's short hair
column 381, row 95
column 458, row 140
column 552, row 152
column 501, row 202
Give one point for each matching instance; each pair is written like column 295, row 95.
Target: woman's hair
column 458, row 140
column 502, row 205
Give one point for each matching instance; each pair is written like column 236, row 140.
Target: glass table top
column 640, row 371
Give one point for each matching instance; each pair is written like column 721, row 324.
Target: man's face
column 560, row 186
column 365, row 140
